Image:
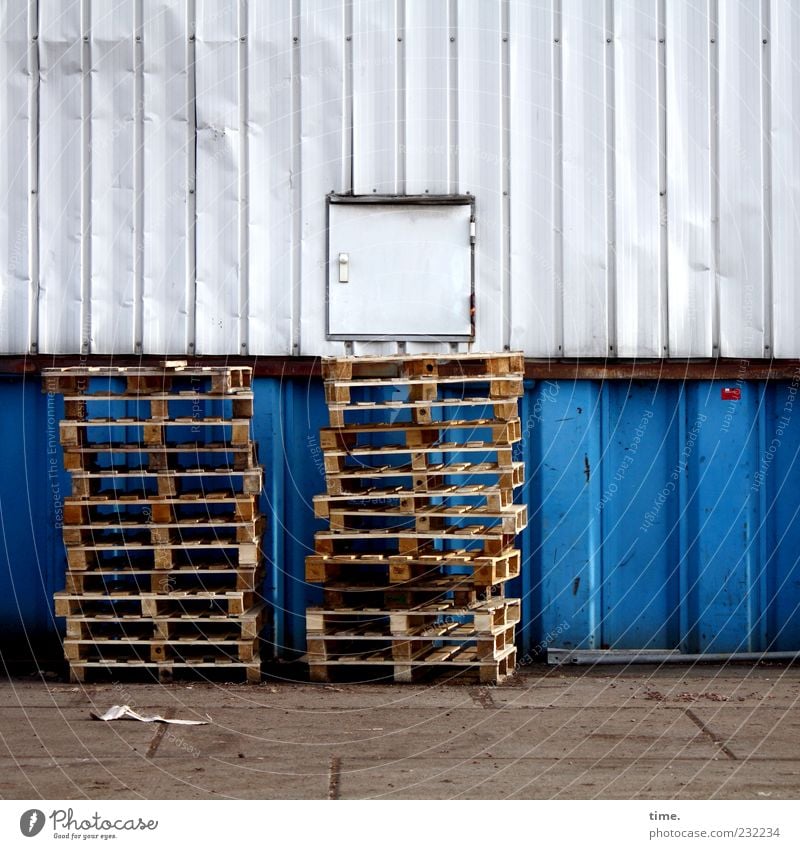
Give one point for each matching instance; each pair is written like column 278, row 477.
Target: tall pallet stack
column 162, row 530
column 420, row 501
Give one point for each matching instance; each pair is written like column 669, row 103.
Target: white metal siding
column 634, row 162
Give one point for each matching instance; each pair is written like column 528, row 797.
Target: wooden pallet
column 89, row 556
column 165, row 671
column 429, row 479
column 443, row 663
column 76, row 379
column 344, row 462
column 424, row 388
column 511, row 519
column 403, row 365
column 185, row 649
column 492, row 495
column 486, row 571
column 237, row 506
column 247, row 625
column 402, row 596
column 87, row 457
column 152, row 605
column 154, row 432
column 483, row 540
column 118, row 529
column 488, row 617
column 421, row 412
column 161, row 405
column 415, row 645
column 220, row 576
column 169, row 482
column 499, row 433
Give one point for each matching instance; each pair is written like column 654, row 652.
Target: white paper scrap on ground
column 126, row 712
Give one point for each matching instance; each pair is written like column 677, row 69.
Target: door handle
column 344, row 268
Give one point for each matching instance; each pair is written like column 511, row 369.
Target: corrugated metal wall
column 661, row 515
column 636, row 165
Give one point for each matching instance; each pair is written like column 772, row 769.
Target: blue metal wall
column 662, row 515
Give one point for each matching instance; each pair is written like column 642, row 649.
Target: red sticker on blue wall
column 731, row 393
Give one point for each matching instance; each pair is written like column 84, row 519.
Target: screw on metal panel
column 608, row 41
column 556, row 40
column 191, row 38
column 295, row 39
column 242, row 38
column 349, row 38
column 452, row 38
column 86, row 38
column 138, row 38
column 34, row 38
column 399, row 37
column 763, row 40
column 713, row 40
column 660, row 40
column 505, row 38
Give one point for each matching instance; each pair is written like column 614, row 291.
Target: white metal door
column 399, row 270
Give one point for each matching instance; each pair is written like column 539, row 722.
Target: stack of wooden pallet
column 162, row 530
column 420, row 502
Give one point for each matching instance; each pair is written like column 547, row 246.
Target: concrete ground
column 677, row 732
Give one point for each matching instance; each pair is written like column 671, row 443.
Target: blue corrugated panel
column 662, row 515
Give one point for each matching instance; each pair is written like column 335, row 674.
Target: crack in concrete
column 711, row 734
column 335, row 777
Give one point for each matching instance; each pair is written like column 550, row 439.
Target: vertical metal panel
column 741, row 281
column 166, row 181
column 785, row 176
column 723, row 520
column 640, row 595
column 112, row 167
column 480, row 158
column 534, row 180
column 322, row 154
column 586, row 185
column 31, row 552
column 638, row 297
column 427, row 151
column 553, row 137
column 218, row 164
column 15, row 117
column 564, row 445
column 270, row 133
column 776, row 476
column 690, row 256
column 375, row 97
column 61, row 309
